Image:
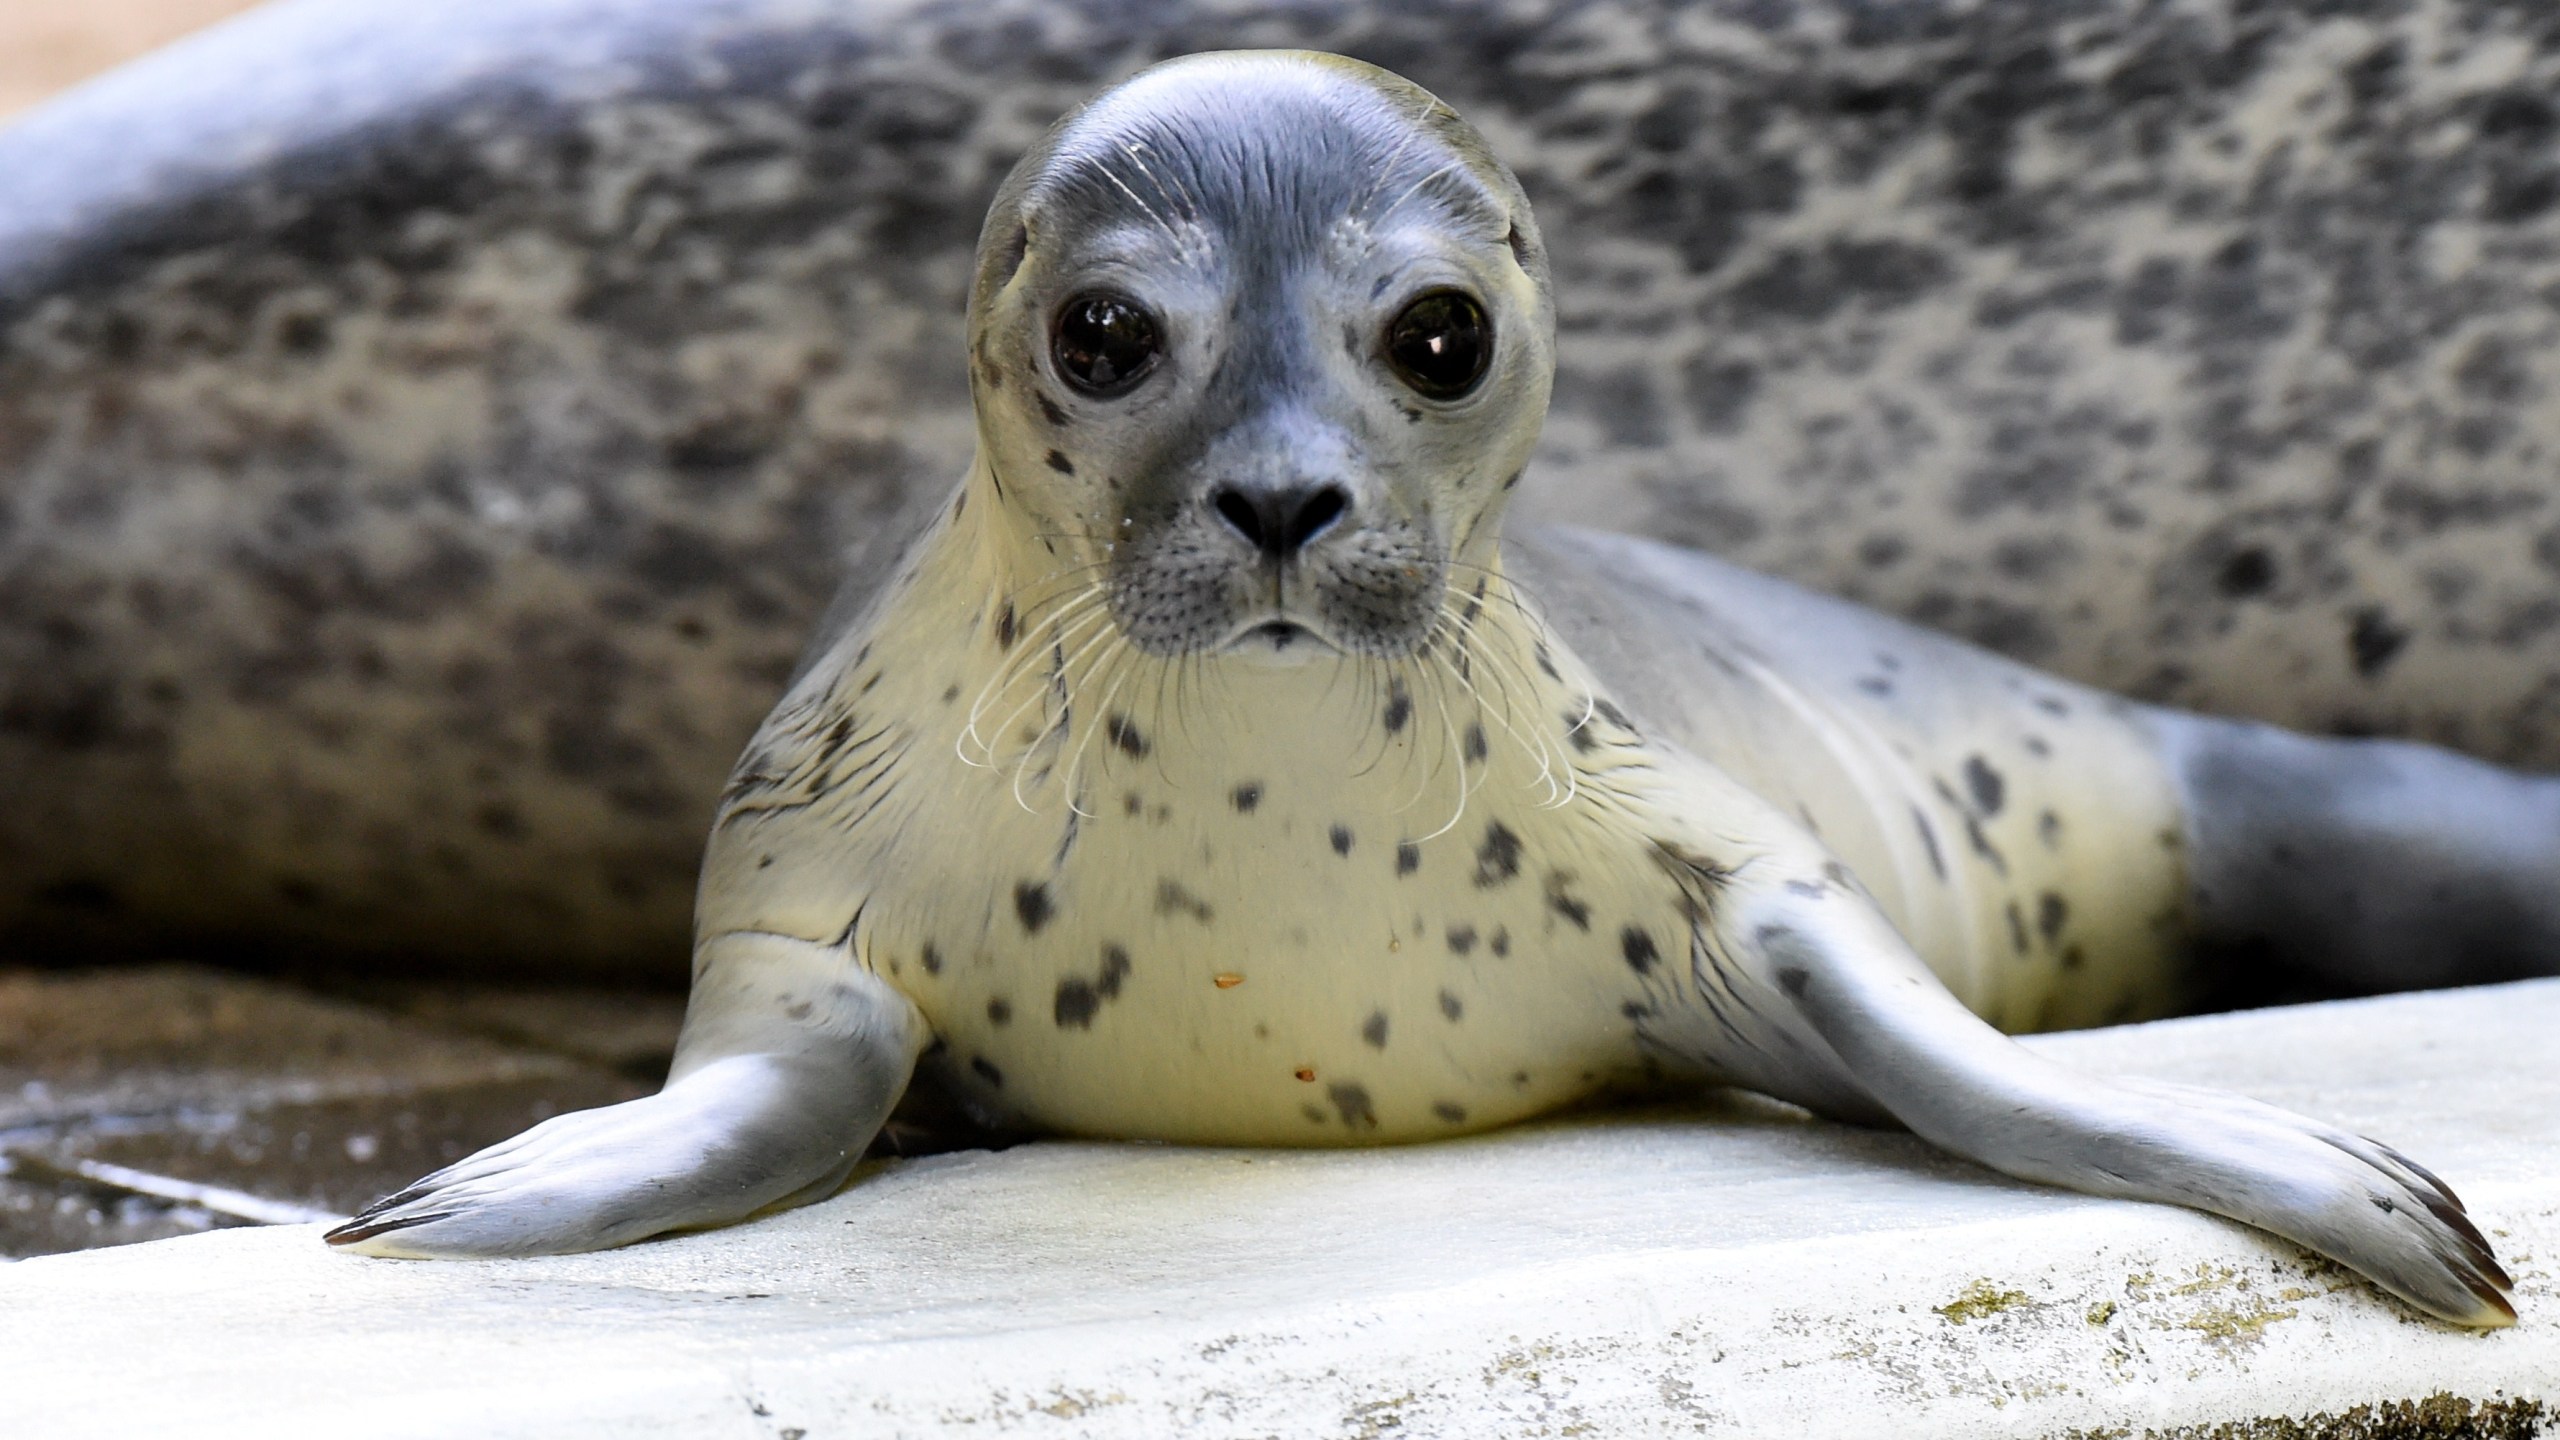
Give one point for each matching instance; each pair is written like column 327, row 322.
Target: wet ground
column 140, row 1103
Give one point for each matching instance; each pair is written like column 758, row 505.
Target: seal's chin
column 1278, row 641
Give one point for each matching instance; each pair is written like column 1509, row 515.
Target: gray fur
column 428, row 432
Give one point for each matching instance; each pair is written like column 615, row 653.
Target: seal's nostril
column 1279, row 522
column 1315, row 514
column 1240, row 515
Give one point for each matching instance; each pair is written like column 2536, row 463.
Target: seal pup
column 1215, row 771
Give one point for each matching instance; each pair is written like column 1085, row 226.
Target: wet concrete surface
column 141, row 1103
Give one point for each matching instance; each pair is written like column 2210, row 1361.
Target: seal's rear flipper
column 2368, row 865
column 792, row 1056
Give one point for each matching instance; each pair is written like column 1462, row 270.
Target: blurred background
column 46, row 45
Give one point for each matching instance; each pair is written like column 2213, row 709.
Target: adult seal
column 1216, row 770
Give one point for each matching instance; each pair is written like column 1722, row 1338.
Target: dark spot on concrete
column 1127, row 737
column 987, row 1070
column 1450, row 1007
column 1246, row 797
column 2373, row 642
column 1059, row 462
column 1351, row 1102
column 1340, row 836
column 1988, row 787
column 1031, row 902
column 1374, row 1030
column 1635, row 944
column 1408, row 857
column 1498, row 858
column 999, row 1010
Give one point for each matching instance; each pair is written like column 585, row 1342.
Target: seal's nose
column 1279, row 520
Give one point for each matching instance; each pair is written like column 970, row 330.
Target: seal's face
column 1261, row 343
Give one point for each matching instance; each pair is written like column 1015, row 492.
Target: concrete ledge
column 1727, row 1270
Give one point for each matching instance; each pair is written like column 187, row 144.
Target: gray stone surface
column 1732, row 1269
column 136, row 1104
column 427, row 431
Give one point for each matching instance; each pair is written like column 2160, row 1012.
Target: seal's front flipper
column 792, row 1056
column 1827, row 957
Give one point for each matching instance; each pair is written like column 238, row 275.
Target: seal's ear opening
column 1006, row 258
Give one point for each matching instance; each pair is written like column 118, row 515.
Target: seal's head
column 1262, row 340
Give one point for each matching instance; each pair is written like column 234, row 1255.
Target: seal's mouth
column 1278, row 638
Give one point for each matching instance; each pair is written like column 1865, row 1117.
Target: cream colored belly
column 1305, row 971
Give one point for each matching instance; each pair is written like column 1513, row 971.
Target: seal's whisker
column 1099, row 721
column 1533, row 745
column 1010, row 674
column 1022, row 667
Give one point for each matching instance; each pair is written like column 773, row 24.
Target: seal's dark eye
column 1104, row 343
column 1440, row 344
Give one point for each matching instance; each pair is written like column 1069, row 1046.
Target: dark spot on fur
column 1613, row 714
column 1031, row 902
column 1004, row 627
column 1059, row 462
column 800, row 1009
column 1399, row 707
column 1374, row 1030
column 1340, row 836
column 1077, row 1003
column 987, row 1070
column 1129, row 739
column 1988, row 786
column 1453, row 1113
column 1351, row 1102
column 1876, row 685
column 1450, row 1007
column 1408, row 857
column 1546, row 662
column 1929, row 840
column 1500, row 944
column 1476, row 748
column 1246, row 796
column 2017, row 927
column 1561, row 900
column 1049, row 410
column 2049, row 830
column 2373, row 641
column 2051, row 911
column 1809, row 889
column 931, row 960
column 2247, row 572
column 1577, row 729
column 1462, row 939
column 2073, row 957
column 999, row 1011
column 1639, row 949
column 1980, row 840
column 1115, row 968
column 1793, row 979
column 1173, row 899
column 1498, row 858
